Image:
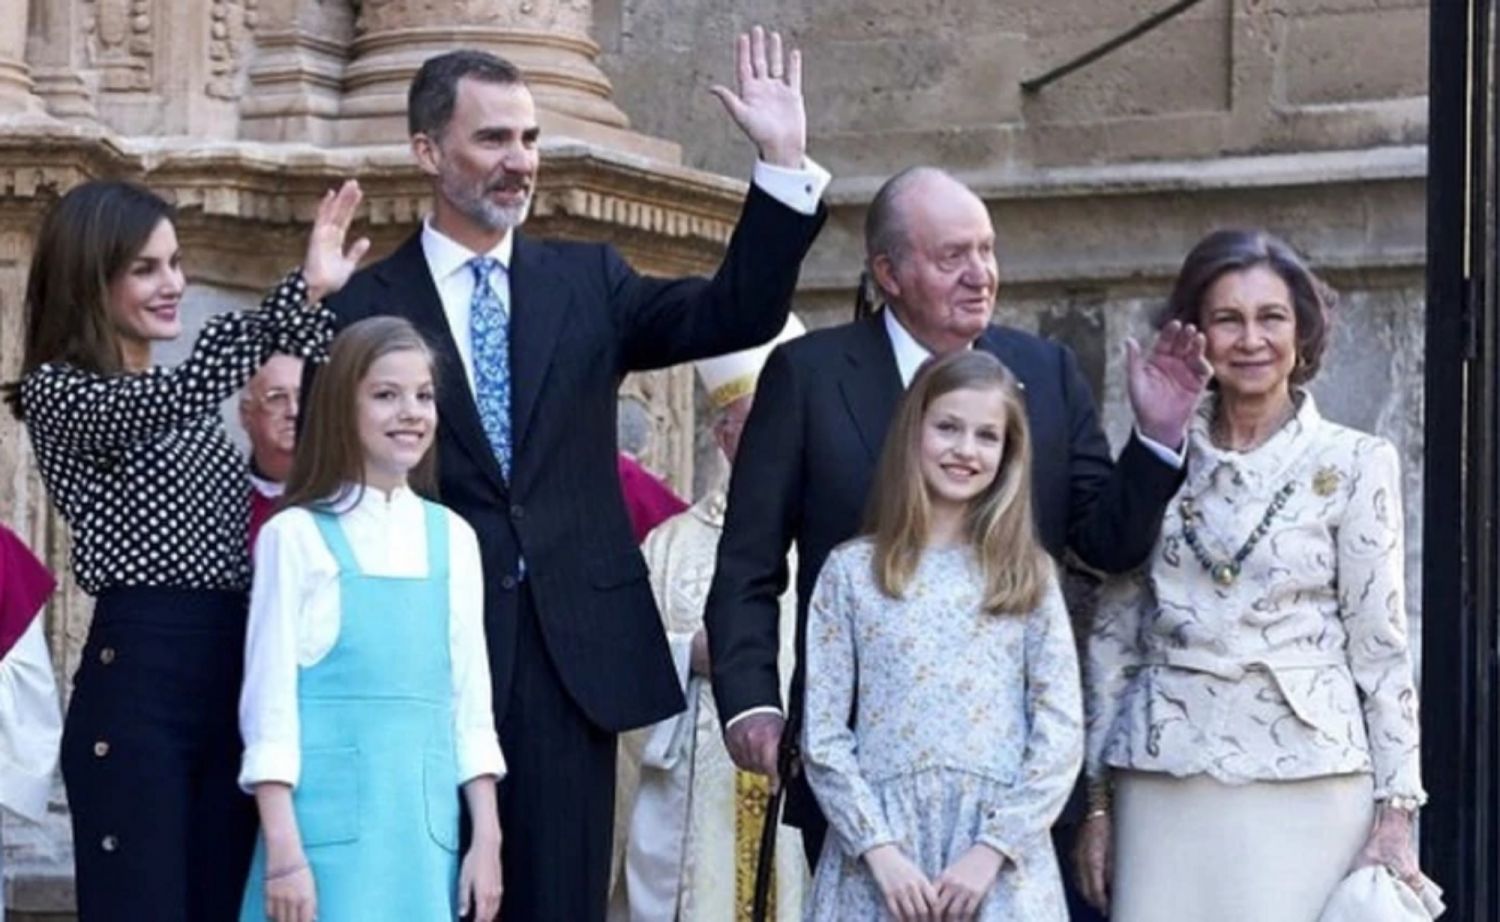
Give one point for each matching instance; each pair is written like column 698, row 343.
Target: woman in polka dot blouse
column 136, row 458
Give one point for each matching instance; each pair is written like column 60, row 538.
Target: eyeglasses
column 282, row 401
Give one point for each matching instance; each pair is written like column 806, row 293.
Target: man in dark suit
column 533, row 338
column 825, row 401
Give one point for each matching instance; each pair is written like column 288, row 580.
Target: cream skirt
column 1198, row 850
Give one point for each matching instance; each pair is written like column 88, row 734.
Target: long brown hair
column 999, row 522
column 85, row 241
column 329, row 460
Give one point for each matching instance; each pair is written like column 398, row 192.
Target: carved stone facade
column 1307, row 117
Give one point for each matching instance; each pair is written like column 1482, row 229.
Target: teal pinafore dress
column 378, row 802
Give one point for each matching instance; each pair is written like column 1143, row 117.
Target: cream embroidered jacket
column 1300, row 666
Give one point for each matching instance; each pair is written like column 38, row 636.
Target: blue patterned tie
column 489, row 336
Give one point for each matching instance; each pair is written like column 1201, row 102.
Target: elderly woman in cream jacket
column 1252, row 716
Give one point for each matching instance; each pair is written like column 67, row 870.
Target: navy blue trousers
column 150, row 753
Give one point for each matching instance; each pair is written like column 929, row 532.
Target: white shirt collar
column 270, row 489
column 446, row 256
column 910, row 354
column 371, row 501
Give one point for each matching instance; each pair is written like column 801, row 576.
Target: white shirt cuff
column 265, row 762
column 799, row 190
column 1175, row 458
column 479, row 757
column 751, row 712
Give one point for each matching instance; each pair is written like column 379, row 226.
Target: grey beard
column 487, row 214
column 500, row 217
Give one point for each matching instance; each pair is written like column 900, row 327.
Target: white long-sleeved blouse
column 1299, row 667
column 295, row 616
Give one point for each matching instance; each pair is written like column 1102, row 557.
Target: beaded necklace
column 1225, row 572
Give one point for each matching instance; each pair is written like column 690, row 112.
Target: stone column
column 548, row 39
column 54, row 50
column 301, row 47
column 17, row 94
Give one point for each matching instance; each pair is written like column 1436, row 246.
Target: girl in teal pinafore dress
column 366, row 704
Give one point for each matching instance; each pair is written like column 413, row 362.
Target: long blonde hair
column 1000, row 526
column 329, row 457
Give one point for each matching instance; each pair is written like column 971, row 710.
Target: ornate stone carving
column 548, row 39
column 296, row 72
column 231, row 25
column 15, row 78
column 120, row 43
column 565, row 16
column 54, row 49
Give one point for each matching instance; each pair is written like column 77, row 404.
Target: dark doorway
column 1461, row 509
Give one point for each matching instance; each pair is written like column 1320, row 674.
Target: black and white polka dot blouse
column 140, row 465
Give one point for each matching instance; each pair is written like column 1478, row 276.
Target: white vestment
column 691, row 828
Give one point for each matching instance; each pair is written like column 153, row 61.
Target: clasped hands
column 954, row 895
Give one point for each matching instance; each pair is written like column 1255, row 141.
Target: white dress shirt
column 295, row 615
column 448, row 260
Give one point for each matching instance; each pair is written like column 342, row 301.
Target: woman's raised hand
column 329, row 263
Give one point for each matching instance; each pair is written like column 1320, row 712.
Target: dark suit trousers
column 557, row 799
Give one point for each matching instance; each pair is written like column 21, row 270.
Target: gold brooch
column 1325, row 481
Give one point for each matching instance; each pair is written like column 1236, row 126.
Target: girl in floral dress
column 942, row 632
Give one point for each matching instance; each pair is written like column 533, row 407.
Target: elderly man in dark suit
column 809, row 449
column 532, row 339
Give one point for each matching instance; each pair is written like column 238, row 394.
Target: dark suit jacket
column 580, row 319
column 807, row 458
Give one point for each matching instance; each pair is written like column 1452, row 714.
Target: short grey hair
column 885, row 224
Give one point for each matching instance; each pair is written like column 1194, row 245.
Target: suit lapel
column 871, row 384
column 415, row 297
column 540, row 297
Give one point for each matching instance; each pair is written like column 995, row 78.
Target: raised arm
column 1114, row 508
column 86, row 411
column 746, row 303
